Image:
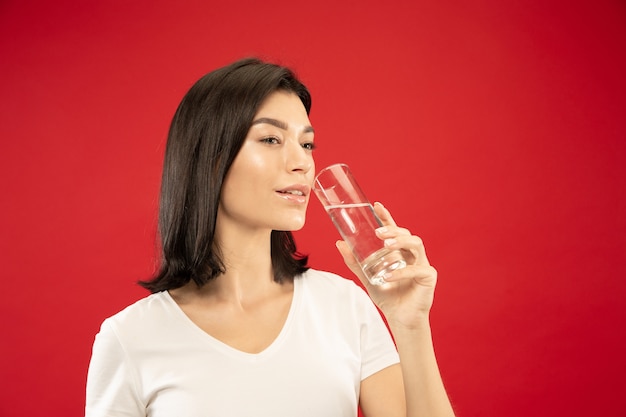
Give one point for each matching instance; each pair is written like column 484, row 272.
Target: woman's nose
column 299, row 158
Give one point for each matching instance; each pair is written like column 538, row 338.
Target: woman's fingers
column 424, row 275
column 383, row 214
column 396, row 238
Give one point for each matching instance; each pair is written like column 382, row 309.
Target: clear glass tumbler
column 354, row 218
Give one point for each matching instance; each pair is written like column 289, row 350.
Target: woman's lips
column 296, row 194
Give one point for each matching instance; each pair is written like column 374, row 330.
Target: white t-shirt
column 152, row 360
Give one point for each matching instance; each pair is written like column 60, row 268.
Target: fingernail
column 381, row 230
column 389, row 242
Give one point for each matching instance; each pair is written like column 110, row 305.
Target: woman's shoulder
column 325, row 294
column 140, row 314
column 331, row 285
column 326, row 278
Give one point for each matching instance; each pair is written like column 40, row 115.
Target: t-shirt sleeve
column 378, row 350
column 111, row 381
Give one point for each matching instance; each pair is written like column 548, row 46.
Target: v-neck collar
column 226, row 348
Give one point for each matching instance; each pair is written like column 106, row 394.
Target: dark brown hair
column 206, row 134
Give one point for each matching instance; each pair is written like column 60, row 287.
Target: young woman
column 237, row 324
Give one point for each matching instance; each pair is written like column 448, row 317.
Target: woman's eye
column 270, row 140
column 308, row 146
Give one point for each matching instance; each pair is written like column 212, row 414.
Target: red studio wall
column 494, row 130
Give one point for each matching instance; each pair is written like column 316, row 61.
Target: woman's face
column 269, row 183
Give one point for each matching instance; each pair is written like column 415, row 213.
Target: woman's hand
column 407, row 297
column 405, row 300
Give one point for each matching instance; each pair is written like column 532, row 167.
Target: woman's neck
column 246, row 255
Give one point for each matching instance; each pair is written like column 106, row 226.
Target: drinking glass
column 354, row 217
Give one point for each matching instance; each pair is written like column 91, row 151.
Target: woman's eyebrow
column 279, row 124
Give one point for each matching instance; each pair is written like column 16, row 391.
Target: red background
column 493, row 129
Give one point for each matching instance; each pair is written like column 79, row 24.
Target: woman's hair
column 206, row 134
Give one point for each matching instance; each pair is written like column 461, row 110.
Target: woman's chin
column 292, row 225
